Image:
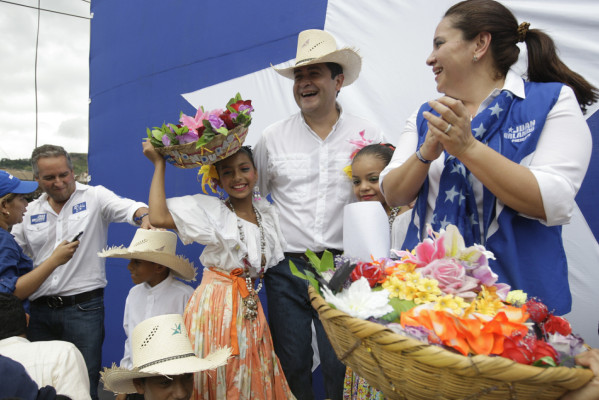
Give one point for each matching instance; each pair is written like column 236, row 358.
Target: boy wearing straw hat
column 163, row 361
column 154, row 265
column 300, row 162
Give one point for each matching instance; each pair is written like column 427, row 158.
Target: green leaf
column 400, row 305
column 544, row 362
column 295, row 271
column 312, row 280
column 327, row 261
column 222, row 130
column 314, row 260
column 157, row 133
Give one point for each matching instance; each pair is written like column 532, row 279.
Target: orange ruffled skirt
column 253, row 374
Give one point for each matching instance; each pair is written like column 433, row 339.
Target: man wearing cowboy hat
column 300, row 160
column 154, row 265
column 163, row 361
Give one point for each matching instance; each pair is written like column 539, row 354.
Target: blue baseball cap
column 10, row 184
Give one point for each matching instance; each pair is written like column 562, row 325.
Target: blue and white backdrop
column 152, row 59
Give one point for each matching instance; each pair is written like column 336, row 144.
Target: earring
column 256, row 193
column 6, row 213
column 221, row 194
column 475, row 58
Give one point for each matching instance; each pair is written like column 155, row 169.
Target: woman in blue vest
column 499, row 157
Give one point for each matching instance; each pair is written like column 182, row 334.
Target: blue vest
column 529, row 255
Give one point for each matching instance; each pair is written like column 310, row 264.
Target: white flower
column 359, row 300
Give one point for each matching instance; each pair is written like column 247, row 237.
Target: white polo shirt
column 89, row 209
column 305, row 177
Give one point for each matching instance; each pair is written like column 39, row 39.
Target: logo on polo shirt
column 79, row 207
column 38, row 219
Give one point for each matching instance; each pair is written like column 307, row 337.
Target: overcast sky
column 62, row 76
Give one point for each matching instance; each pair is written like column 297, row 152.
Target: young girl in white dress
column 242, row 238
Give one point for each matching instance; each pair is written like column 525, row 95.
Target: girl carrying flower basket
column 242, row 238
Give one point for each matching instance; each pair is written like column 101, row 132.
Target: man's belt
column 66, row 301
column 303, row 257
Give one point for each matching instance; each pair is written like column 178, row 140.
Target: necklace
column 393, row 214
column 251, row 301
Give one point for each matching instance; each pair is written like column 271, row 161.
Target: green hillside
column 24, row 164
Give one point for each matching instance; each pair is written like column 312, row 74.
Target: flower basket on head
column 405, row 368
column 206, row 138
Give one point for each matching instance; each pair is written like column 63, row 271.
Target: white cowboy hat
column 160, row 347
column 155, row 246
column 315, row 46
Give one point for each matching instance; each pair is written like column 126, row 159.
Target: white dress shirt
column 55, row 363
column 559, row 161
column 144, row 301
column 305, row 177
column 89, row 209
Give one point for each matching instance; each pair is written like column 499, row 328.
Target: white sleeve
column 126, row 361
column 70, row 377
column 115, row 208
column 561, row 158
column 261, row 161
column 406, row 146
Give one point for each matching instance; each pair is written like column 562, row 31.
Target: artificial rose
column 188, row 137
column 216, row 122
column 451, row 276
column 543, row 349
column 570, row 345
column 242, row 105
column 537, row 310
column 166, row 140
column 372, row 272
column 555, row 324
column 518, row 348
column 227, row 119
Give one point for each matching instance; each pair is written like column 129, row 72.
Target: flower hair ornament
column 359, row 145
column 209, row 177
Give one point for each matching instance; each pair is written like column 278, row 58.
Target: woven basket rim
column 239, row 131
column 494, row 368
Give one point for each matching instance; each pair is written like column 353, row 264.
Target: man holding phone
column 69, row 305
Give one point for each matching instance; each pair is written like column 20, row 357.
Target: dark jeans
column 290, row 317
column 81, row 324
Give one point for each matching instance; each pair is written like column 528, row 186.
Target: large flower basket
column 405, row 368
column 222, row 146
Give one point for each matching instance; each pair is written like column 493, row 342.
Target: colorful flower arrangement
column 445, row 294
column 205, row 126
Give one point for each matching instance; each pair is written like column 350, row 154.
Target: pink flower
column 359, row 143
column 451, row 276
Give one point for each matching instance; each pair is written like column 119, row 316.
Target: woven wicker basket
column 187, row 156
column 405, row 368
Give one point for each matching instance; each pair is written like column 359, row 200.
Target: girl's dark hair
column 382, row 151
column 475, row 16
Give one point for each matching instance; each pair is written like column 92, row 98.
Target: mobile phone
column 77, row 236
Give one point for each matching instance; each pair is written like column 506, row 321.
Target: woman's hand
column 150, row 152
column 431, row 148
column 589, row 391
column 457, row 138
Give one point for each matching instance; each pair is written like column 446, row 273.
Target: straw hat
column 160, row 346
column 155, row 246
column 315, row 46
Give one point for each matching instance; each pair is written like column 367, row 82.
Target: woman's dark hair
column 382, row 151
column 475, row 16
